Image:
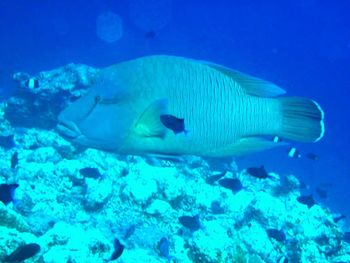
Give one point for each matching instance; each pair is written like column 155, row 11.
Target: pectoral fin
column 149, row 123
column 246, row 145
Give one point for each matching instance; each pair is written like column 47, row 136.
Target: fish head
column 99, row 119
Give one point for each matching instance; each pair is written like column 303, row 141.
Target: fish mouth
column 68, row 129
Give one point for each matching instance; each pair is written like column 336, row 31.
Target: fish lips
column 68, row 129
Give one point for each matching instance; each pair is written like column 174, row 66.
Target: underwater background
column 303, row 46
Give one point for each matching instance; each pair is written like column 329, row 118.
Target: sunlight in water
column 109, row 27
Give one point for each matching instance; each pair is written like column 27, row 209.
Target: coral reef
column 139, row 200
column 37, row 107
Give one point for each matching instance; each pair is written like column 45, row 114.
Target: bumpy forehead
column 109, row 87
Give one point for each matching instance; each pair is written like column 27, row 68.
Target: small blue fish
column 306, row 200
column 150, row 34
column 313, row 156
column 234, row 185
column 216, row 208
column 173, row 123
column 294, row 153
column 338, row 218
column 118, row 249
column 7, row 193
column 23, row 252
column 129, row 231
column 90, row 172
column 276, row 234
column 32, row 83
column 163, row 246
column 190, row 222
column 14, row 160
column 258, row 172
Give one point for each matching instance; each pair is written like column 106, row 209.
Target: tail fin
column 302, row 119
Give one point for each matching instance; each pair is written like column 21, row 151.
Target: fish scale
column 205, row 124
column 226, row 112
column 190, row 106
column 214, row 115
column 224, row 108
column 220, row 136
column 212, row 118
column 234, row 111
column 209, row 125
column 229, row 128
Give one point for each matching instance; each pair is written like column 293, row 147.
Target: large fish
column 224, row 112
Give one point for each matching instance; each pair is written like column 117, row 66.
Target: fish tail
column 302, row 119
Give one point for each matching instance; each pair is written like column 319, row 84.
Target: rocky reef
column 76, row 216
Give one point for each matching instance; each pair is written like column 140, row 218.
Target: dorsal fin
column 252, row 85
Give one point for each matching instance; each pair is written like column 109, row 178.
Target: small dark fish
column 124, row 172
column 233, row 184
column 216, row 208
column 173, row 123
column 306, row 200
column 32, row 83
column 7, row 193
column 14, row 160
column 129, row 231
column 90, row 172
column 190, row 222
column 277, row 139
column 327, row 185
column 118, row 249
column 258, row 172
column 321, row 193
column 213, row 178
column 338, row 218
column 346, row 237
column 73, row 98
column 294, row 153
column 332, row 251
column 23, row 252
column 150, row 34
column 322, row 240
column 313, row 156
column 282, row 259
column 276, row 234
column 163, row 246
column 303, row 185
column 7, row 142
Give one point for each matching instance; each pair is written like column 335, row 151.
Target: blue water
column 303, row 46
